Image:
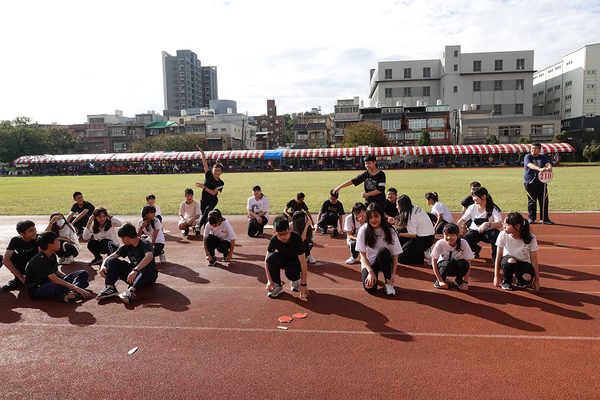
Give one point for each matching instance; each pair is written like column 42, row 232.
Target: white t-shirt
column 472, row 213
column 395, row 247
column 441, row 251
column 349, row 227
column 419, row 223
column 68, row 233
column 148, row 231
column 110, row 234
column 258, row 206
column 224, row 231
column 516, row 247
column 155, row 206
column 439, row 208
column 189, row 210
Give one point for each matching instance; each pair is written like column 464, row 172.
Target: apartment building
column 270, row 128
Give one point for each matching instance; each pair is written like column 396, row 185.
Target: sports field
column 572, row 189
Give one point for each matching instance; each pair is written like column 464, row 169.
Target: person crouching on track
column 218, row 236
column 450, row 257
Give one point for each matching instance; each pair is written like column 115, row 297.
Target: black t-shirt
column 25, row 250
column 38, row 269
column 293, row 247
column 137, row 253
column 329, row 207
column 372, row 182
column 390, row 209
column 467, row 201
column 295, row 206
column 86, row 206
column 211, row 183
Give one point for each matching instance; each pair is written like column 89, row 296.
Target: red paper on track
column 300, row 315
column 285, row 318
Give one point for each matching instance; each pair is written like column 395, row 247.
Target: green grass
column 572, row 189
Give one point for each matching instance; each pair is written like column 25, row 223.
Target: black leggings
column 383, row 263
column 457, row 268
column 519, row 268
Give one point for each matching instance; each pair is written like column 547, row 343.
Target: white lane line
column 319, row 331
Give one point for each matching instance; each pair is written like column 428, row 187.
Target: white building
column 569, row 88
column 498, row 81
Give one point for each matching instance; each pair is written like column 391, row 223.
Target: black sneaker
column 520, row 284
column 335, row 232
column 96, row 261
column 324, row 231
column 212, row 262
column 13, row 284
column 107, row 292
column 506, row 286
column 186, row 232
column 476, row 252
column 548, row 222
column 70, row 297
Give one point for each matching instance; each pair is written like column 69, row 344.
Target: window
column 557, row 87
column 546, row 129
column 550, row 90
column 406, row 92
column 509, row 130
column 388, row 74
column 406, row 73
column 498, row 109
column 518, row 108
column 426, row 91
column 477, row 86
column 417, row 124
column 476, row 66
column 520, row 84
column 455, row 53
column 497, row 85
column 591, row 86
column 520, row 63
column 388, row 93
column 456, row 67
column 426, row 72
column 556, row 101
column 455, row 89
column 498, row 65
column 568, row 83
column 568, row 97
column 391, row 124
column 590, row 101
column 591, row 71
column 481, row 131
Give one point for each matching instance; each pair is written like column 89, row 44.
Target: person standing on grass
column 139, row 272
column 18, row 253
column 517, row 254
column 258, row 212
column 101, row 226
column 211, row 187
column 374, row 183
column 537, row 192
column 83, row 209
column 44, row 280
column 379, row 248
column 285, row 251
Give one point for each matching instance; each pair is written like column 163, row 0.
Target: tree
column 290, row 121
column 591, row 151
column 365, row 134
column 168, row 143
column 424, row 139
column 19, row 137
column 524, row 140
column 562, row 137
column 58, row 140
column 492, row 139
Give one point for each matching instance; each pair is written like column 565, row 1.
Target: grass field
column 572, row 189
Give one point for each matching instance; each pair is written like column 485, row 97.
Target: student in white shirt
column 67, row 236
column 151, row 226
column 517, row 254
column 258, row 212
column 101, row 226
column 218, row 236
column 450, row 257
column 415, row 231
column 440, row 215
column 352, row 224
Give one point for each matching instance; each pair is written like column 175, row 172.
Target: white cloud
column 62, row 61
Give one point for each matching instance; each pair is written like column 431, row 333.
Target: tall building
column 186, row 83
column 498, row 81
column 270, row 128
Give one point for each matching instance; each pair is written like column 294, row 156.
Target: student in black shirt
column 83, row 209
column 211, row 187
column 374, row 182
column 18, row 253
column 331, row 214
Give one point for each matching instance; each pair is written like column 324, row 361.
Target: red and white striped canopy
column 295, row 153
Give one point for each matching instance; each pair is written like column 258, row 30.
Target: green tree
column 424, row 139
column 168, row 143
column 561, row 137
column 591, row 151
column 524, row 140
column 58, row 140
column 19, row 137
column 365, row 134
column 290, row 120
column 492, row 139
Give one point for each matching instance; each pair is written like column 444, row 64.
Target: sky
column 64, row 60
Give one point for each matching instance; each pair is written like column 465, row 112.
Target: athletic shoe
column 295, row 285
column 96, row 261
column 197, row 230
column 259, row 234
column 68, row 260
column 437, row 284
column 276, row 290
column 127, row 296
column 13, row 284
column 351, row 260
column 548, row 222
column 186, row 232
column 323, row 231
column 163, row 258
column 520, row 284
column 107, row 292
column 70, row 297
column 506, row 286
column 531, row 221
column 61, row 260
column 212, row 261
column 335, row 232
column 310, row 259
column 389, row 289
column 476, row 252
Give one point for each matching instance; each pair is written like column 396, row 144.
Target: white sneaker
column 276, row 290
column 310, row 259
column 68, row 260
column 295, row 285
column 163, row 258
column 352, row 260
column 389, row 289
column 61, row 260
